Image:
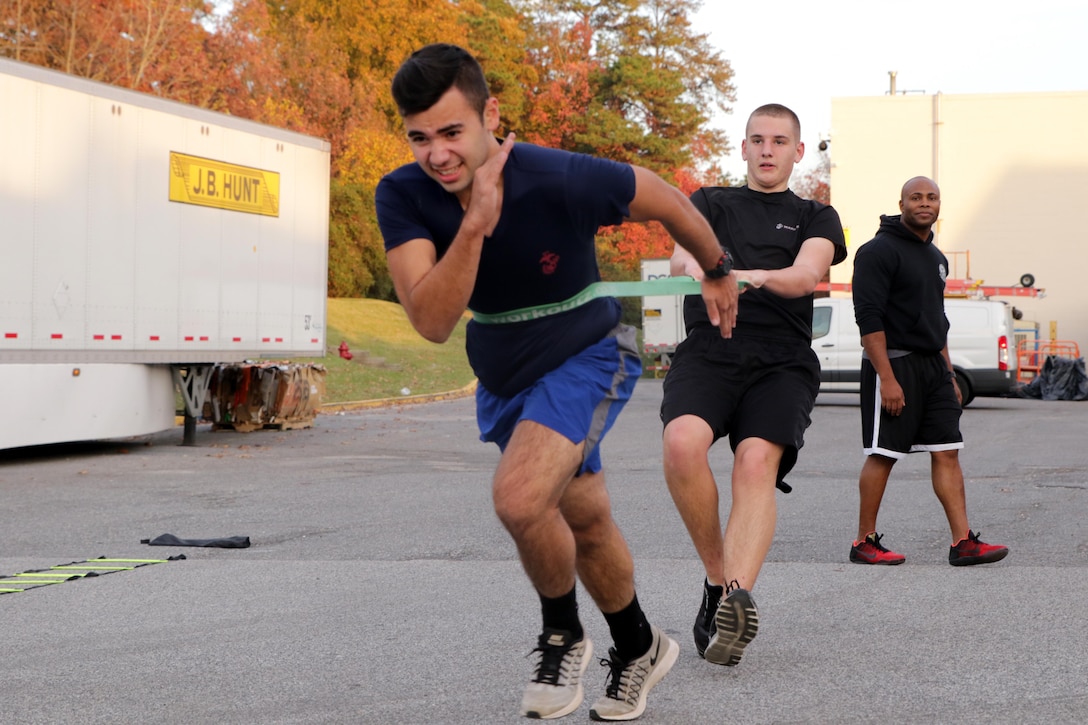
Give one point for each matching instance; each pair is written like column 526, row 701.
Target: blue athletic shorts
column 579, row 400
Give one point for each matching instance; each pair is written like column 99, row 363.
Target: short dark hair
column 776, row 110
column 434, row 69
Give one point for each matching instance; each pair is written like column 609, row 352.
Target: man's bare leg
column 948, row 485
column 749, row 531
column 535, row 470
column 686, row 443
column 871, row 484
column 561, row 524
column 602, row 559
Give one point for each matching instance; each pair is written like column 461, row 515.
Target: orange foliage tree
column 815, row 183
column 333, row 65
column 156, row 46
column 622, row 248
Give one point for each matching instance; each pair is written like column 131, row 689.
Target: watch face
column 721, row 269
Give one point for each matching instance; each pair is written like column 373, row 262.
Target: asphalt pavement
column 380, row 587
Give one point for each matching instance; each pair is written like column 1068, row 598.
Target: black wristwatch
column 721, row 269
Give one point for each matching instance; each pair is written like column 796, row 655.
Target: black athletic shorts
column 930, row 420
column 745, row 387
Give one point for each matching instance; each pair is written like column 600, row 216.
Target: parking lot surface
column 380, row 587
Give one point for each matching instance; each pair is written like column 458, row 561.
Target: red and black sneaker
column 972, row 551
column 869, row 551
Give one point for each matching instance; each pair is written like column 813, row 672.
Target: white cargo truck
column 662, row 318
column 981, row 345
column 142, row 241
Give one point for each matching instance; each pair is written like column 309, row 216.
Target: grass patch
column 389, row 355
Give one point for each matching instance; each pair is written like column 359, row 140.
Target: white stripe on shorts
column 871, row 447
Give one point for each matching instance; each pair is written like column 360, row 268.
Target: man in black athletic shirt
column 757, row 387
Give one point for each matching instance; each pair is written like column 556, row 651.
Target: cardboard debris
column 250, row 396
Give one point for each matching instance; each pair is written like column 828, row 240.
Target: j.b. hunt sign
column 206, row 182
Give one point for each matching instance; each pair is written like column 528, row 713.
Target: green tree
column 357, row 266
column 496, row 33
column 628, row 79
column 632, row 81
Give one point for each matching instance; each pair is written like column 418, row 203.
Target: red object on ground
column 345, row 352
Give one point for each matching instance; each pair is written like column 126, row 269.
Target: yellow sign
column 205, row 182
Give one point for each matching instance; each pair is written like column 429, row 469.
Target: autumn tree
column 497, row 35
column 815, row 182
column 156, row 46
column 632, row 81
column 324, row 69
column 640, row 81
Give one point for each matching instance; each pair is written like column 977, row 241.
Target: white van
column 979, row 339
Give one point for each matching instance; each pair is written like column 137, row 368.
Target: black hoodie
column 899, row 288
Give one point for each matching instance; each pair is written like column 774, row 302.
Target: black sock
column 630, row 631
column 562, row 613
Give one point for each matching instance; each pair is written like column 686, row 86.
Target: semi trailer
column 143, row 242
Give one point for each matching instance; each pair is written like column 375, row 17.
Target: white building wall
column 1013, row 172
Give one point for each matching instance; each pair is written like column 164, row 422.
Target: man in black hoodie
column 910, row 401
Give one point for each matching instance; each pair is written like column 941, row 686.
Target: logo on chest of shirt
column 548, row 262
column 780, row 225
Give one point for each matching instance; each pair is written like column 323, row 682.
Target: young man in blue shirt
column 507, row 231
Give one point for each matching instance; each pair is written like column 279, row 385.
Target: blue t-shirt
column 542, row 251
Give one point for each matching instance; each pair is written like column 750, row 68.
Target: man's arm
column 682, row 264
column 875, row 345
column 435, row 292
column 955, row 381
column 800, row 278
column 656, row 200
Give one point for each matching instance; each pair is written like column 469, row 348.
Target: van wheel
column 965, row 388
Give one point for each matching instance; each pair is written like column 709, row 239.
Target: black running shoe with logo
column 736, row 623
column 556, row 687
column 704, row 623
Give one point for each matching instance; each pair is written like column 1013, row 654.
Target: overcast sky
column 802, row 53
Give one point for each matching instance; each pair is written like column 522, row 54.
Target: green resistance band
column 646, row 288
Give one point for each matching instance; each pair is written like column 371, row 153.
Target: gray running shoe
column 736, row 622
column 629, row 682
column 556, row 688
